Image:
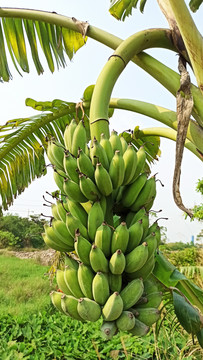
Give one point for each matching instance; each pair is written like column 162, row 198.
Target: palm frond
column 23, row 144
column 16, row 35
column 120, row 9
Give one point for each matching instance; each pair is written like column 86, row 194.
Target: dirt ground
column 43, row 256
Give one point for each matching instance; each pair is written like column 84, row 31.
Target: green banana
column 62, row 233
column 82, row 248
column 147, row 193
column 136, row 258
column 145, row 271
column 78, row 211
column 130, row 161
column 105, row 143
column 71, row 280
column 72, row 190
column 118, row 194
column 150, row 203
column 153, row 300
column 113, row 307
column 148, row 315
column 68, row 134
column 141, row 159
column 126, row 321
column 103, row 180
column 129, row 218
column 100, row 288
column 55, row 153
column 132, row 293
column 131, row 192
column 85, row 279
column 56, row 300
column 71, row 262
column 59, row 176
column 85, row 165
column 54, row 211
column 117, row 262
column 157, row 230
column 103, row 204
column 150, row 286
column 140, row 329
column 53, row 245
column 115, row 282
column 69, row 305
column 103, row 238
column 98, row 261
column 124, row 144
column 145, row 224
column 88, row 188
column 98, row 154
column 54, row 238
column 61, row 282
column 74, row 224
column 120, row 238
column 95, row 219
column 152, row 244
column 79, row 139
column 88, row 309
column 108, row 329
column 87, row 206
column 115, row 142
column 132, row 217
column 62, row 209
column 135, row 235
column 117, row 169
column 71, row 167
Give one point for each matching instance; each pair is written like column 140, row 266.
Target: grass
column 31, row 328
column 24, row 286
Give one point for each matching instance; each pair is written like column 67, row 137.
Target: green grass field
column 31, row 328
column 24, row 286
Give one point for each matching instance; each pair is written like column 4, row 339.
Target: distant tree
column 7, row 239
column 27, row 231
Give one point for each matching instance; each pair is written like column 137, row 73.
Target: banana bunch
column 102, row 224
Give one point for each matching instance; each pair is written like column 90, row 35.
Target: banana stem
column 170, row 80
column 111, row 71
column 164, row 75
column 163, row 115
column 170, row 134
column 191, row 36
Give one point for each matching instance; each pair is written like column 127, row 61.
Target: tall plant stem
column 191, row 36
column 110, row 73
column 163, row 115
column 163, row 74
column 170, row 134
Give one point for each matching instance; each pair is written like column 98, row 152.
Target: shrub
column 7, row 239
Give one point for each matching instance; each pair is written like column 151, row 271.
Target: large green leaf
column 22, row 149
column 120, row 9
column 188, row 316
column 55, row 42
column 171, row 277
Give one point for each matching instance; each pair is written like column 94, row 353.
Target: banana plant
column 24, row 141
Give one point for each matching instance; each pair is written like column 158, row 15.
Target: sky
column 69, row 84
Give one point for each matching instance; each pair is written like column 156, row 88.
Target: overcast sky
column 68, row 84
